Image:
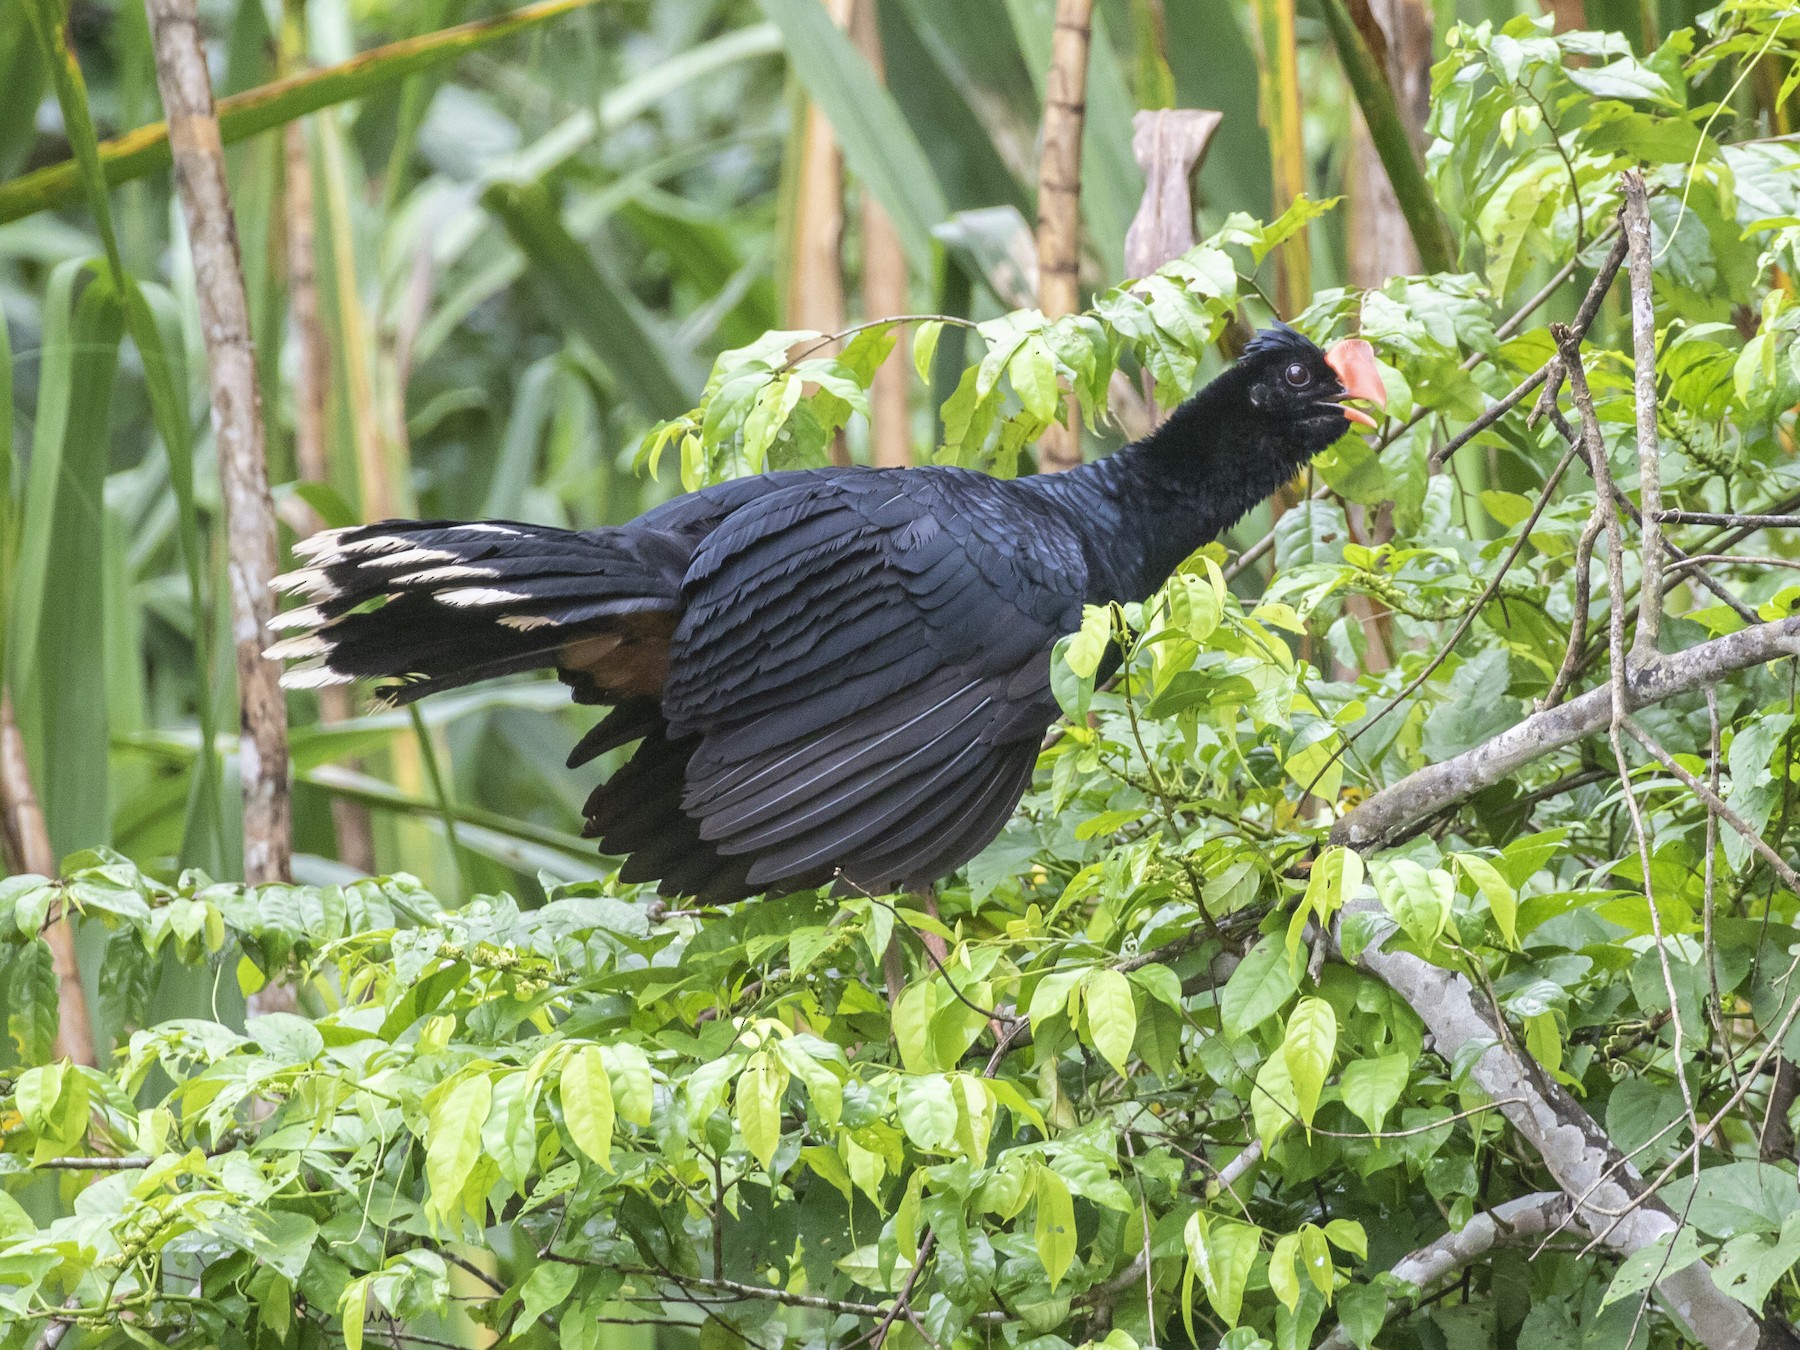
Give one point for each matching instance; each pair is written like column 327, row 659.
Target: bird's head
column 1308, row 395
column 1257, row 423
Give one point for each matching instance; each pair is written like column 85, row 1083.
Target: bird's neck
column 1150, row 505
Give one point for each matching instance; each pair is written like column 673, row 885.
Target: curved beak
column 1353, row 361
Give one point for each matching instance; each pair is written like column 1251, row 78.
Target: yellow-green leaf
column 1111, row 1017
column 759, row 1108
column 587, row 1103
column 1503, row 901
column 1284, row 1278
column 633, row 1092
column 1307, row 1049
column 453, row 1141
column 1054, row 1230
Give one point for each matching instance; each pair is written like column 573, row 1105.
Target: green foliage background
column 1119, row 1097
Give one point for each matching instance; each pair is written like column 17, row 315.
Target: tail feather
column 433, row 605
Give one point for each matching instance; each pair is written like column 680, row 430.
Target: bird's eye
column 1298, row 376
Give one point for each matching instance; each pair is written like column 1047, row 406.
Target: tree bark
column 1529, row 1216
column 1059, row 199
column 1586, row 1164
column 182, row 79
column 815, row 283
column 1394, row 810
column 884, row 289
column 27, row 839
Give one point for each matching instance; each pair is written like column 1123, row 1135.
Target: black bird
column 828, row 672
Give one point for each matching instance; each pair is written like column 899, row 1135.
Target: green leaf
column 544, row 1289
column 924, row 346
column 1638, row 1271
column 1362, row 1312
column 1749, row 1265
column 1418, row 899
column 453, row 1142
column 1503, row 900
column 1258, row 989
column 1315, row 1256
column 628, row 1072
column 1088, row 646
column 759, row 1094
column 1033, row 374
column 1348, row 1235
column 587, row 1104
column 1111, row 1016
column 927, row 1108
column 1221, row 1253
column 1284, row 1276
column 32, row 1001
column 1370, row 1087
column 1273, row 1105
column 353, row 1310
column 1308, row 1047
column 1054, row 1227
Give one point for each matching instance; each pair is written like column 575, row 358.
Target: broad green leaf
column 628, row 1072
column 544, row 1290
column 1111, row 1016
column 1348, row 1235
column 1420, row 900
column 1258, row 989
column 1370, row 1087
column 1221, row 1253
column 1503, row 901
column 928, row 1112
column 1639, row 1270
column 759, row 1094
column 1273, row 1104
column 1054, row 1228
column 1284, row 1276
column 1315, row 1256
column 587, row 1103
column 453, row 1142
column 1307, row 1048
column 1088, row 646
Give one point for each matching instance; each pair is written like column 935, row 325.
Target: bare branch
column 1748, row 523
column 1393, row 809
column 1528, row 1216
column 1577, row 1152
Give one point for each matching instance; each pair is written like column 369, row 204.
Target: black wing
column 861, row 673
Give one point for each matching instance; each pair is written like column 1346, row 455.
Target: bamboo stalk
column 312, row 375
column 1278, row 90
column 145, row 151
column 1387, row 128
column 1059, row 198
column 182, row 79
column 27, row 837
column 815, row 282
column 884, row 289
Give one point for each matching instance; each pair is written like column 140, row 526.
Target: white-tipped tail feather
column 472, row 597
column 308, row 581
column 313, row 675
column 300, row 648
column 308, row 616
